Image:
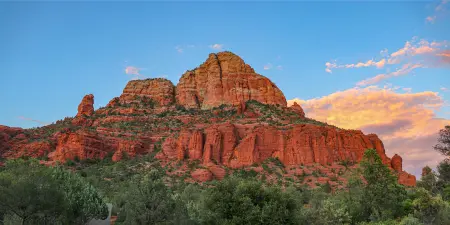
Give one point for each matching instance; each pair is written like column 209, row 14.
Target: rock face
column 85, row 109
column 81, row 145
column 148, row 115
column 298, row 109
column 396, row 163
column 225, row 79
column 300, row 144
column 159, row 89
column 406, row 179
column 202, row 175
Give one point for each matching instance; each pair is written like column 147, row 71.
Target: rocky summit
column 221, row 115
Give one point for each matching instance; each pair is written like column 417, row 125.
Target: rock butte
column 190, row 122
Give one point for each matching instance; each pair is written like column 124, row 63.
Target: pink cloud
column 406, row 122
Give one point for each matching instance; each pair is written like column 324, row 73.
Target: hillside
column 220, row 117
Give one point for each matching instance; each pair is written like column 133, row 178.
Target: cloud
column 444, row 89
column 268, row 66
column 33, row 120
column 280, row 67
column 430, row 19
column 134, row 71
column 384, row 52
column 179, row 49
column 404, row 70
column 439, row 11
column 368, row 63
column 217, row 47
column 405, row 122
column 414, row 51
column 408, row 90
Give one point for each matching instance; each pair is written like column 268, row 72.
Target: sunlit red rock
column 159, row 90
column 79, row 145
column 131, row 125
column 202, row 175
column 396, row 163
column 128, row 148
column 225, row 79
column 298, row 109
column 85, row 109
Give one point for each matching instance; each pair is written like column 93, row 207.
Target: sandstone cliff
column 225, row 79
column 221, row 115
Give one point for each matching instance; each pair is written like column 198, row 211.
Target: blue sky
column 52, row 54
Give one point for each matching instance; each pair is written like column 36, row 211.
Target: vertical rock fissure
column 220, row 67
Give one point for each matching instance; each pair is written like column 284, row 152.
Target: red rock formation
column 298, row 109
column 396, row 163
column 225, row 79
column 218, row 171
column 169, row 148
column 36, row 149
column 160, row 90
column 206, row 136
column 196, row 146
column 85, row 109
column 406, row 179
column 128, row 148
column 81, row 145
column 6, row 133
column 202, row 175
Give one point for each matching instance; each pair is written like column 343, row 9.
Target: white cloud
column 134, row 72
column 179, row 49
column 218, row 47
column 268, row 66
column 406, row 68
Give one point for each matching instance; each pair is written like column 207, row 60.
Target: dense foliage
column 31, row 193
column 142, row 193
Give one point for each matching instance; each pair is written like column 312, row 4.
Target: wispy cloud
column 33, row 120
column 406, row 68
column 182, row 48
column 217, row 47
column 280, row 67
column 444, row 89
column 405, row 122
column 416, row 53
column 268, row 66
column 430, row 19
column 134, row 72
column 179, row 49
column 378, row 64
column 438, row 12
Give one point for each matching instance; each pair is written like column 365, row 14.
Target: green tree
column 244, row 201
column 443, row 170
column 83, row 200
column 29, row 194
column 431, row 209
column 410, row 220
column 35, row 194
column 383, row 196
column 429, row 180
column 444, row 141
column 148, row 201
